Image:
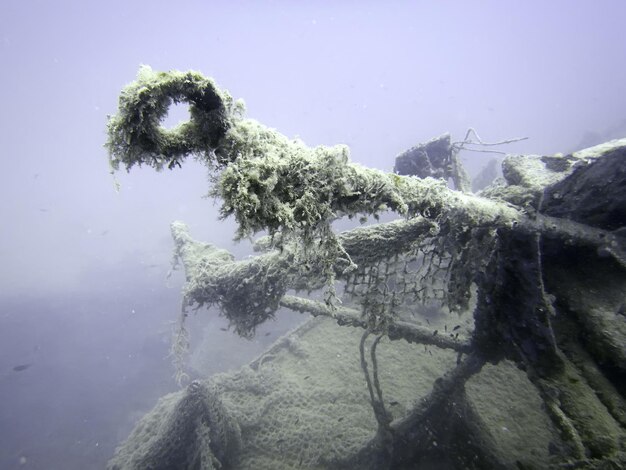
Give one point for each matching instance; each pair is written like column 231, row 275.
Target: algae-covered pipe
column 270, row 182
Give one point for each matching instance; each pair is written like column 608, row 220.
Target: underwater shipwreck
column 478, row 330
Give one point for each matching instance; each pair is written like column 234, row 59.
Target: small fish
column 268, row 333
column 445, row 328
column 224, row 329
column 340, row 419
column 104, row 232
column 456, row 327
column 21, row 367
column 307, row 377
column 435, row 332
column 393, row 403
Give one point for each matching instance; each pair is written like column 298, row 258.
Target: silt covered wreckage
column 476, row 330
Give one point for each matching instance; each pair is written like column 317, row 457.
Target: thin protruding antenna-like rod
column 480, row 141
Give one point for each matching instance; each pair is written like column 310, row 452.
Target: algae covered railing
column 509, row 245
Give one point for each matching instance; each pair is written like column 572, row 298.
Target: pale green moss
column 136, row 135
